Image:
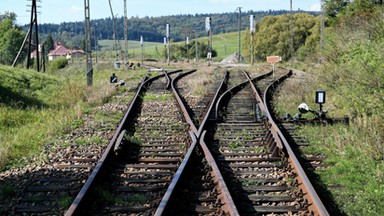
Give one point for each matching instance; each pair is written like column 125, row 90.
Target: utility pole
column 187, row 49
column 96, row 41
column 142, row 49
column 165, row 49
column 252, row 30
column 209, row 30
column 239, row 45
column 196, row 48
column 291, row 30
column 33, row 22
column 43, row 57
column 88, row 43
column 117, row 64
column 322, row 25
column 126, row 34
column 167, row 29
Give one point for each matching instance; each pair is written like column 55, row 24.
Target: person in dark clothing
column 113, row 78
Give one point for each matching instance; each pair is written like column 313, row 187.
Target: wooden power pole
column 88, row 43
column 32, row 23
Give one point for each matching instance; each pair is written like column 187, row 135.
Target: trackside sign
column 273, row 59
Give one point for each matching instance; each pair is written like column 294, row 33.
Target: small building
column 61, row 51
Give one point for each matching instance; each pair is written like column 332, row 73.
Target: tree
column 49, row 44
column 273, row 35
column 11, row 38
column 334, row 7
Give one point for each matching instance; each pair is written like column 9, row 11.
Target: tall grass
column 352, row 74
column 36, row 108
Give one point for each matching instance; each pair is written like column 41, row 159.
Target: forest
column 153, row 28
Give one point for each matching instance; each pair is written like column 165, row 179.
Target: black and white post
column 167, row 28
column 252, row 30
column 209, row 30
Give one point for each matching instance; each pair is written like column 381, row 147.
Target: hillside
column 153, row 28
column 352, row 73
column 36, row 108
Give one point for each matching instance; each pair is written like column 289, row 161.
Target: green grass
column 36, row 108
column 7, row 190
column 156, row 97
column 225, row 45
column 133, row 140
column 360, row 176
column 65, row 201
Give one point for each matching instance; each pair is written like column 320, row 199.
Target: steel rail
column 226, row 198
column 219, row 91
column 175, row 180
column 275, row 147
column 229, row 206
column 76, row 204
column 316, row 206
column 181, row 102
column 227, row 94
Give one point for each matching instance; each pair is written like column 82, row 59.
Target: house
column 61, row 51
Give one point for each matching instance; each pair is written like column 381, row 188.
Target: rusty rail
column 224, row 98
column 229, row 205
column 315, row 204
column 76, row 204
column 213, row 103
column 181, row 102
column 176, row 178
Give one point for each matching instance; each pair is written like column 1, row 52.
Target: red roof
column 60, row 50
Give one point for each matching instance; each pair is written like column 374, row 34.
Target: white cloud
column 74, row 9
column 315, row 7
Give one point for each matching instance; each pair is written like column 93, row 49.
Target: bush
column 58, row 64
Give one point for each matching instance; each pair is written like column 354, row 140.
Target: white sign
column 167, row 30
column 252, row 23
column 207, row 24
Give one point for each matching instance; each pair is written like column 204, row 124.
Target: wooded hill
column 153, row 28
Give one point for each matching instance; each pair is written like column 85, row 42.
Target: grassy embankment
column 353, row 76
column 36, row 108
column 224, row 44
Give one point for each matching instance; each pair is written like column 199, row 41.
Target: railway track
column 47, row 188
column 261, row 176
column 258, row 177
column 223, row 155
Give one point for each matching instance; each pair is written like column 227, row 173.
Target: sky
column 59, row 11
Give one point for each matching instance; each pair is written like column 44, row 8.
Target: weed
column 157, row 97
column 251, row 182
column 81, row 141
column 64, row 202
column 138, row 198
column 77, row 123
column 236, row 144
column 106, row 196
column 97, row 140
column 133, row 140
column 7, row 190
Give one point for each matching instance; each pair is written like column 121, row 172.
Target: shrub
column 58, row 64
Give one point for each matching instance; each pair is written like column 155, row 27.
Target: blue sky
column 58, row 11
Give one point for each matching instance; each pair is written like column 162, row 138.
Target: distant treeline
column 153, row 28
